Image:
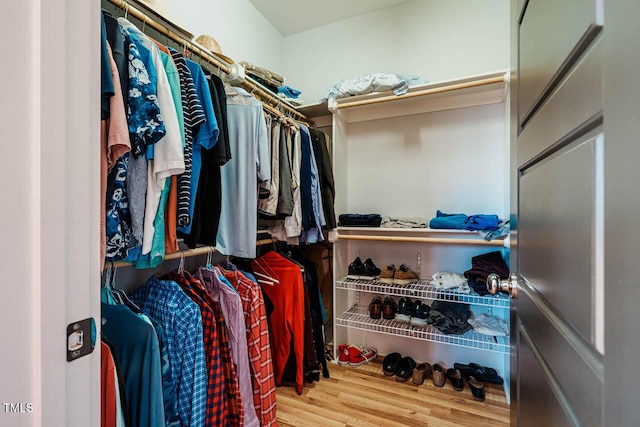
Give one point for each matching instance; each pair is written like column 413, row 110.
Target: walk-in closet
column 320, row 213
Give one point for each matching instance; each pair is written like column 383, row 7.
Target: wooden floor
column 363, row 396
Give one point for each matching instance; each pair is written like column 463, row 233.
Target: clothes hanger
column 289, row 256
column 106, row 296
column 121, row 295
column 209, row 263
column 180, row 269
column 267, row 274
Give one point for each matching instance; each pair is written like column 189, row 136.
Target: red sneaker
column 360, row 356
column 343, row 357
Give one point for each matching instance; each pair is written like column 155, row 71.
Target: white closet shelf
column 422, row 290
column 419, row 235
column 473, row 91
column 357, row 317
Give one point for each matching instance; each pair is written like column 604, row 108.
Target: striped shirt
column 193, row 118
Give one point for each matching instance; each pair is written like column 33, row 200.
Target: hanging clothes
column 287, row 321
column 135, row 346
column 146, row 127
column 293, row 223
column 327, row 185
column 206, row 216
column 231, row 306
column 108, row 388
column 258, row 345
column 268, row 206
column 114, row 143
column 222, row 408
column 119, row 52
column 315, row 216
column 181, row 320
column 205, row 138
column 248, row 140
column 312, row 295
column 285, row 191
column 166, row 157
column 193, row 117
column 320, row 254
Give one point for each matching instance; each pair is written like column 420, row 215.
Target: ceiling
column 295, row 16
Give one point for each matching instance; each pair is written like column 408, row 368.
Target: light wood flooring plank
column 364, row 397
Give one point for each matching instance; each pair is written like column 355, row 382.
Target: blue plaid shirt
column 180, row 317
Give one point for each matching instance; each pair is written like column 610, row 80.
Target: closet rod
column 204, row 250
column 423, row 240
column 248, row 83
column 423, row 92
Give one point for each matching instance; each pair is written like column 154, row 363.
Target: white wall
column 433, row 39
column 243, row 33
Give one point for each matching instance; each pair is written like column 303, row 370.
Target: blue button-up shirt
column 181, row 320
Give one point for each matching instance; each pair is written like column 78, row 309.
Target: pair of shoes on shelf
column 479, row 372
column 382, row 310
column 401, row 367
column 402, row 275
column 366, row 270
column 355, row 356
column 413, row 312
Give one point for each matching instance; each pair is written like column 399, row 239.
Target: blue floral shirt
column 146, row 126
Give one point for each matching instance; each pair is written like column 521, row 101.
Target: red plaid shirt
column 217, row 413
column 255, row 317
column 232, row 386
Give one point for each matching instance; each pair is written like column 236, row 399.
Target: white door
column 49, row 259
column 575, row 117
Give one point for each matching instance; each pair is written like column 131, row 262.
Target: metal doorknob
column 495, row 285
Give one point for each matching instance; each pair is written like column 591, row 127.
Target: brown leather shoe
column 375, row 308
column 389, row 308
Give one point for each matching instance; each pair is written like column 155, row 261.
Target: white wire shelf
column 422, row 290
column 357, row 317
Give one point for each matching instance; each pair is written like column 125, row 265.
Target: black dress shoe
column 477, row 389
column 404, row 369
column 389, row 363
column 456, row 379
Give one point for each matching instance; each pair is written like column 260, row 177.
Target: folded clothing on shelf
column 450, row 317
column 268, row 76
column 463, row 222
column 447, row 280
column 448, row 221
column 372, row 82
column 359, row 220
column 503, row 230
column 398, row 222
column 489, row 325
column 289, row 92
column 482, row 266
column 482, row 222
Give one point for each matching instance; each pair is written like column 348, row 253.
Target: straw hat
column 212, row 45
column 159, row 8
